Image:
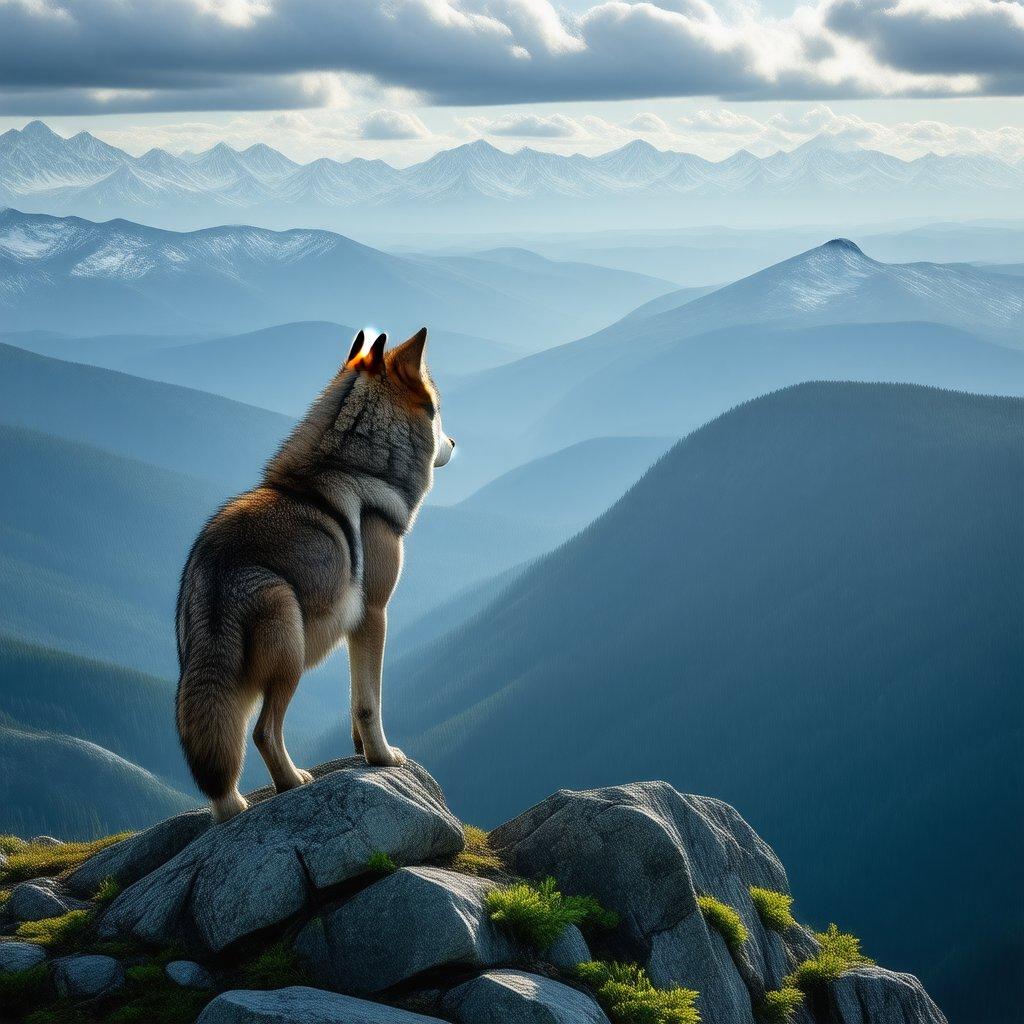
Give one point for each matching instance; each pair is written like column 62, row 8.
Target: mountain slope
column 81, row 277
column 179, row 429
column 52, row 783
column 831, row 312
column 810, row 607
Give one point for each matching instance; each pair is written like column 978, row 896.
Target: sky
column 401, row 79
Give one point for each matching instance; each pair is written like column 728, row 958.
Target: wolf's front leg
column 366, row 661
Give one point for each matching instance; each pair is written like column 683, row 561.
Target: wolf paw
column 390, row 757
column 305, row 776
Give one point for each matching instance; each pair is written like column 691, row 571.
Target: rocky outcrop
column 866, row 995
column 514, row 997
column 418, row 943
column 19, row 956
column 85, row 977
column 266, row 865
column 309, row 1005
column 39, row 899
column 648, row 853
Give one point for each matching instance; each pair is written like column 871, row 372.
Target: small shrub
column 29, row 860
column 539, row 914
column 108, row 889
column 773, row 908
column 780, row 1004
column 381, row 863
column 477, row 858
column 724, row 920
column 20, row 990
column 628, row 997
column 276, row 967
column 838, row 953
column 65, row 932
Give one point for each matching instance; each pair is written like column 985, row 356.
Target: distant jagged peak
column 39, row 130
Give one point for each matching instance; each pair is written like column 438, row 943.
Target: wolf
column 306, row 560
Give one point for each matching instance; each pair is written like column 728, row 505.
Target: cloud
column 75, row 56
column 647, row 124
column 391, row 124
column 528, row 126
column 980, row 37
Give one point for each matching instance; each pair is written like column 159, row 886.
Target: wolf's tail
column 211, row 712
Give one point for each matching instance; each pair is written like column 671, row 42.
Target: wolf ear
column 411, row 356
column 371, row 361
column 357, row 347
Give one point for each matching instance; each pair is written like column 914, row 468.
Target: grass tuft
column 538, row 914
column 627, row 995
column 5, row 895
column 477, row 858
column 64, row 933
column 780, row 1005
column 108, row 889
column 381, row 863
column 773, row 908
column 276, row 967
column 21, row 990
column 30, row 860
column 724, row 920
column 839, row 951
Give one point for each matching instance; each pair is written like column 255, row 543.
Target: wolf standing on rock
column 284, row 573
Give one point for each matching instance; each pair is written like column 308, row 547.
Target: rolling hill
column 811, row 609
column 57, row 784
column 80, row 277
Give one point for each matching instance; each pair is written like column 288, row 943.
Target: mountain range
column 78, row 277
column 809, row 607
column 829, row 313
column 41, row 170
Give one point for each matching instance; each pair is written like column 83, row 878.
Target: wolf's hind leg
column 278, row 647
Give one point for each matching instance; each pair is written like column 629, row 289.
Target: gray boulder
column 19, row 956
column 265, row 865
column 189, row 974
column 308, row 1005
column 514, row 997
column 133, row 858
column 85, row 977
column 872, row 995
column 39, row 899
column 408, row 922
column 648, row 852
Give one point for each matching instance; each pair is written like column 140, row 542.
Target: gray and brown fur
column 287, row 571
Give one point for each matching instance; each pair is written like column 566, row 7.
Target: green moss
column 724, row 920
column 838, row 952
column 276, row 967
column 628, row 997
column 108, row 889
column 381, row 863
column 5, row 895
column 477, row 857
column 20, row 990
column 64, row 933
column 780, row 1004
column 63, row 1011
column 32, row 860
column 150, row 997
column 538, row 914
column 773, row 908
